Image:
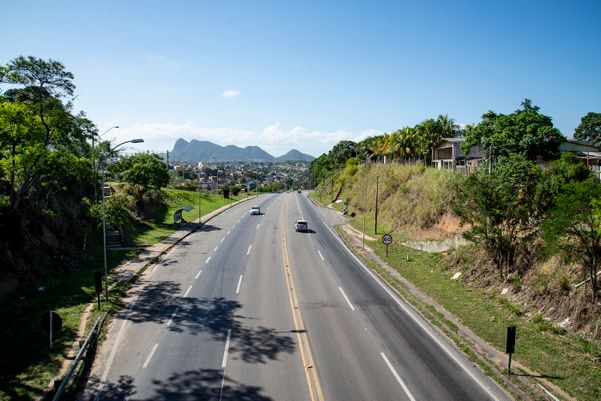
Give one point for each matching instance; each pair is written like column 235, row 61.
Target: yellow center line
column 301, row 334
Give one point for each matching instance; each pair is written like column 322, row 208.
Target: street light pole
column 376, row 209
column 106, row 271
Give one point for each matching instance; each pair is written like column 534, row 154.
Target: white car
column 255, row 210
column 301, row 225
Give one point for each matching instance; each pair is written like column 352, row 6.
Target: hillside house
column 447, row 154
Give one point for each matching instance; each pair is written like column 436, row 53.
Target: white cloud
column 230, row 93
column 274, row 138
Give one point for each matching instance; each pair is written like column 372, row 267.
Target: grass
column 27, row 364
column 569, row 361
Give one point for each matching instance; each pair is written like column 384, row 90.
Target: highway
column 249, row 309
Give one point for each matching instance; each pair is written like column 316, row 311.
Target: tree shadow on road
column 160, row 302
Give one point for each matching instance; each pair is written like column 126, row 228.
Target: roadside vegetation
column 52, row 163
column 528, row 234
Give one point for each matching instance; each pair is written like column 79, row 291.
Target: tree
column 574, row 226
column 144, row 169
column 342, row 151
column 430, row 131
column 36, row 127
column 500, row 209
column 525, row 132
column 589, row 128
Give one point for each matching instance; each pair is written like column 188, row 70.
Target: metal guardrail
column 90, row 339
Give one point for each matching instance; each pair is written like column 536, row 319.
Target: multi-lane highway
column 249, row 309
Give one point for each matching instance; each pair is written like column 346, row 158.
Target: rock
column 456, row 276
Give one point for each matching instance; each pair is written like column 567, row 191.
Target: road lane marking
column 222, row 239
column 229, row 232
column 248, row 252
column 197, row 275
column 227, row 347
column 215, row 249
column 234, row 226
column 239, row 283
column 311, row 375
column 320, row 255
column 150, row 356
column 550, row 394
column 348, row 301
column 172, row 317
column 187, row 291
column 414, row 316
column 207, row 261
column 258, row 225
column 396, row 375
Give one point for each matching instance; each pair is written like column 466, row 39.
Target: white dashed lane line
column 248, row 252
column 215, row 249
column 258, row 226
column 320, row 255
column 348, row 301
column 198, row 275
column 398, row 378
column 187, row 291
column 207, row 261
column 239, row 284
column 227, row 346
column 147, row 361
column 170, row 321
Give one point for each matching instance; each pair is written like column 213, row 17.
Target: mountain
column 197, row 151
column 294, row 155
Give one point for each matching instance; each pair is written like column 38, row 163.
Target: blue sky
column 307, row 74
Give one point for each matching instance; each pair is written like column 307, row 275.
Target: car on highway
column 298, row 191
column 301, row 226
column 255, row 210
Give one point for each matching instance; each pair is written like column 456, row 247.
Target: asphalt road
column 249, row 309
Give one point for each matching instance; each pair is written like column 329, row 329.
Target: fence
column 78, row 366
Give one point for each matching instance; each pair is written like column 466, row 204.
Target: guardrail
column 76, row 366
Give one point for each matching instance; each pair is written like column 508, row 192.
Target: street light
column 106, row 271
column 94, row 158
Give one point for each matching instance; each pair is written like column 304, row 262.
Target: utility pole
column 376, row 209
column 364, row 210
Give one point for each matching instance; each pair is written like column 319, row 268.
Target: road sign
column 387, row 239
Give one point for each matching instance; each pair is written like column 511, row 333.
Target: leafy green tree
column 589, row 128
column 500, row 209
column 37, row 130
column 556, row 174
column 320, row 167
column 431, row 130
column 574, row 226
column 342, row 151
column 525, row 131
column 144, row 169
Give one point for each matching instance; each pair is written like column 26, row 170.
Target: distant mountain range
column 202, row 151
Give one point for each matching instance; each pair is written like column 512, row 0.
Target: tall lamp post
column 106, row 271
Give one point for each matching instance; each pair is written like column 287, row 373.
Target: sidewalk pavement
column 128, row 270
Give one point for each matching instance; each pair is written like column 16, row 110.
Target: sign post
column 510, row 345
column 387, row 240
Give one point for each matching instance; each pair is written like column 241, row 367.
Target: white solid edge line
column 150, row 356
column 207, row 261
column 396, row 375
column 227, row 346
column 548, row 392
column 172, row 316
column 248, row 252
column 320, row 255
column 187, row 291
column 348, row 301
column 239, row 283
column 421, row 324
column 198, row 275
